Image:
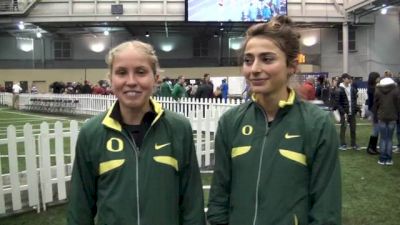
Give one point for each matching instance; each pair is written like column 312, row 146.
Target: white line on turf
column 27, row 114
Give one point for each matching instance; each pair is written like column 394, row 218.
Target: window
column 200, row 47
column 62, row 49
column 352, row 39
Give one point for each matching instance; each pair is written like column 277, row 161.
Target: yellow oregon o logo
column 115, row 142
column 247, row 130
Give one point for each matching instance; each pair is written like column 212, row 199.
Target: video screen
column 234, row 10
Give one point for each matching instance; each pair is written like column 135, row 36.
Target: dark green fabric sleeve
column 218, row 204
column 325, row 182
column 82, row 197
column 191, row 197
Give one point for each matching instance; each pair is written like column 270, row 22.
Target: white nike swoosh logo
column 158, row 147
column 288, row 136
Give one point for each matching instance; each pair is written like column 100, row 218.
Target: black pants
column 344, row 119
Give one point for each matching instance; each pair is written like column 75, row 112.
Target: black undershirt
column 136, row 132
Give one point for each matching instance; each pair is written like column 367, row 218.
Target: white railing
column 88, row 104
column 5, row 99
column 35, row 163
column 48, row 161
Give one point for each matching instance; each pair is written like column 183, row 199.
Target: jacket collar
column 113, row 118
column 282, row 103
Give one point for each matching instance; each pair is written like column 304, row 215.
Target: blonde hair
column 140, row 46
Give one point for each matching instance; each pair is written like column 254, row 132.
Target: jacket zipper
column 131, row 141
column 259, row 167
column 135, row 149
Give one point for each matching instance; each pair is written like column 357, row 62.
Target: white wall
column 385, row 46
column 378, row 48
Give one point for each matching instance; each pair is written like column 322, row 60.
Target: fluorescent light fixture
column 97, row 47
column 26, row 47
column 310, row 41
column 25, row 44
column 21, row 25
column 167, row 47
column 384, row 11
column 235, row 43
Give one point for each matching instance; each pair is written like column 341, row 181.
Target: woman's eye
column 120, row 72
column 268, row 59
column 247, row 60
column 141, row 71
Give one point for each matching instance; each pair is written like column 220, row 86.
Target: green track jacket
column 121, row 185
column 285, row 173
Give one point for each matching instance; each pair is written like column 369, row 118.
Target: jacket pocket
column 106, row 166
column 295, row 156
column 236, row 151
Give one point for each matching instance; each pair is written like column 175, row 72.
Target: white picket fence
column 88, row 104
column 35, row 163
column 46, row 173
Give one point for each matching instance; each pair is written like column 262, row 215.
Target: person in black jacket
column 386, row 109
column 373, row 79
column 347, row 106
column 206, row 89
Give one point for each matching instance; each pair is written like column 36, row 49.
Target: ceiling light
column 147, row 34
column 235, row 43
column 21, row 25
column 25, row 44
column 97, row 47
column 309, row 41
column 384, row 11
column 38, row 34
column 215, row 34
column 106, row 32
column 167, row 47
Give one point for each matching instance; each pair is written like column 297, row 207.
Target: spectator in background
column 194, row 89
column 386, row 109
column 179, row 90
column 135, row 163
column 276, row 158
column 387, row 73
column 307, row 90
column 397, row 150
column 98, row 90
column 333, row 92
column 224, row 90
column 218, row 93
column 347, row 106
column 16, row 90
column 87, row 88
column 2, row 89
column 246, row 94
column 34, row 89
column 373, row 80
column 166, row 87
column 206, row 89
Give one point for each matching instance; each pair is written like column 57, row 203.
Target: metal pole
column 345, row 47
